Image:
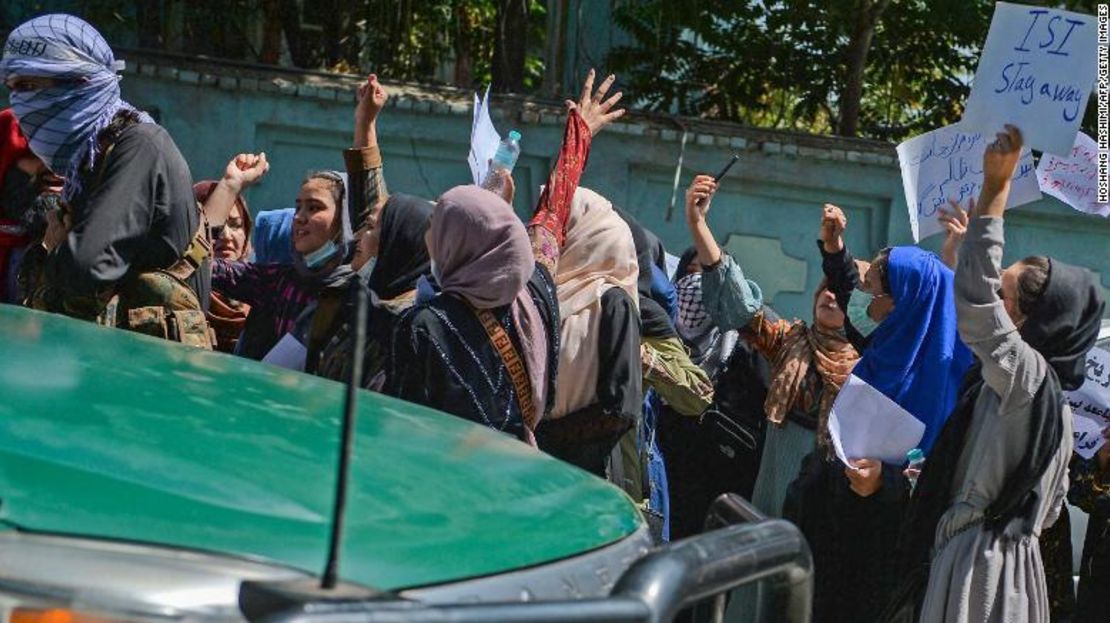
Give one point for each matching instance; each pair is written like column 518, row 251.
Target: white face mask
column 435, row 272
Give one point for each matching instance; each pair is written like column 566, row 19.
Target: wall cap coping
column 448, row 100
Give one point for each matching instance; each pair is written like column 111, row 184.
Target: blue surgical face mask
column 322, row 255
column 368, row 269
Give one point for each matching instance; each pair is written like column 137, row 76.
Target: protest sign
column 1036, row 71
column 484, row 139
column 948, row 164
column 1074, row 179
column 1090, row 404
column 865, row 424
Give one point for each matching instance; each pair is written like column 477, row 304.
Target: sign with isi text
column 1036, row 71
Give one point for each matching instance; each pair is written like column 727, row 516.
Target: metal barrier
column 654, row 589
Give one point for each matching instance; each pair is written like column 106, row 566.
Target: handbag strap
column 517, row 372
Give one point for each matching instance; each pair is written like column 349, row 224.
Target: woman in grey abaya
column 998, row 474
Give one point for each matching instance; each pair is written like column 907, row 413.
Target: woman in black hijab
column 402, row 258
column 655, row 322
column 720, row 451
column 998, row 473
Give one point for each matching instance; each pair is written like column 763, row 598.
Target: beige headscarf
column 598, row 255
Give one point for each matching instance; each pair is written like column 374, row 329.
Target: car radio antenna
column 347, row 432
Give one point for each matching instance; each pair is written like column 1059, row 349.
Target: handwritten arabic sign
column 1090, row 404
column 1036, row 72
column 948, row 164
column 1074, row 179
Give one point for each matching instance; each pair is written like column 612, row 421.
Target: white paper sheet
column 672, row 265
column 484, row 139
column 1090, row 404
column 947, row 163
column 1074, row 179
column 1036, row 71
column 287, row 353
column 865, row 424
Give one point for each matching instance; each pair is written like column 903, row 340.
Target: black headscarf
column 1062, row 327
column 654, row 321
column 688, row 256
column 402, row 253
column 649, row 251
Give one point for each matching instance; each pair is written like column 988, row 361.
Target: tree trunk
column 291, row 24
column 856, row 56
column 555, row 48
column 509, row 46
column 331, row 16
column 271, row 32
column 147, row 14
column 463, row 44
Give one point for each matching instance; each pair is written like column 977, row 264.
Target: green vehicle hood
column 109, row 434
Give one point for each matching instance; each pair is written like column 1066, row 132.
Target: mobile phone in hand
column 718, row 176
column 732, row 161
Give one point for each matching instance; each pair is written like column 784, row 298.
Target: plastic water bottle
column 503, row 162
column 916, row 460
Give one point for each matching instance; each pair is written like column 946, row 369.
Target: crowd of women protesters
column 565, row 331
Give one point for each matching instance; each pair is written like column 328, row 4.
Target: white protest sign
column 1087, row 432
column 865, row 424
column 1074, row 179
column 947, row 163
column 1036, row 71
column 287, row 353
column 484, row 139
column 1090, row 404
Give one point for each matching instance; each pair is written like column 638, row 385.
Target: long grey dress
column 974, row 576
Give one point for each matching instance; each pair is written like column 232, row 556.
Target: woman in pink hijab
column 486, row 348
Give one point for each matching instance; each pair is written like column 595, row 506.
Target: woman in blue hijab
column 915, row 356
column 851, row 516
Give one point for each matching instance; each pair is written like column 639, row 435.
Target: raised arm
column 585, row 119
column 840, row 268
column 730, row 299
column 985, row 326
column 242, row 172
column 955, row 225
column 365, row 182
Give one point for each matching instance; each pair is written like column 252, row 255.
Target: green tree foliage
column 793, row 63
column 467, row 43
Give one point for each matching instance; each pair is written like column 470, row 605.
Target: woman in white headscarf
column 599, row 394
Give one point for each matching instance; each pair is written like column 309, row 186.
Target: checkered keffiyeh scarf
column 62, row 122
column 693, row 320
